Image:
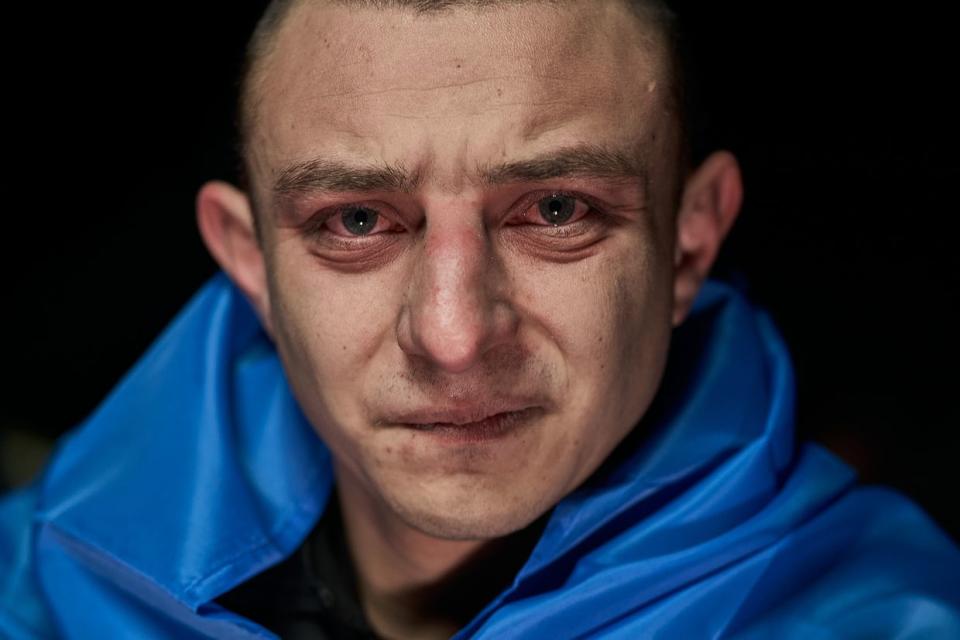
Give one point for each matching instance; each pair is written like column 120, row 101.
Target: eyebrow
column 324, row 175
column 578, row 161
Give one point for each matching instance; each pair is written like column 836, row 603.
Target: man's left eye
column 557, row 209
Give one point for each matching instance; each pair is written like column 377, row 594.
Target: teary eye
column 359, row 221
column 557, row 209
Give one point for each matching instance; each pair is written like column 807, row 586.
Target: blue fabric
column 199, row 471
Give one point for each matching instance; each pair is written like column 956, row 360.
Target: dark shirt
column 310, row 595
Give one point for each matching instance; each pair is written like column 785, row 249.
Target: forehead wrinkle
column 530, row 58
column 572, row 38
column 543, row 116
column 551, row 99
column 427, row 85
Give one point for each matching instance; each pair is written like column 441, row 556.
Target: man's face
column 468, row 231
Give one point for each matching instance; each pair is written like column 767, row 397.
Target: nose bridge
column 453, row 315
column 452, row 270
column 450, row 311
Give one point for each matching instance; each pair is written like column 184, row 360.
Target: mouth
column 463, row 427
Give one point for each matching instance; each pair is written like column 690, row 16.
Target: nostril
column 405, row 338
column 455, row 343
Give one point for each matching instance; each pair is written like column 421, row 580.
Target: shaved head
column 654, row 13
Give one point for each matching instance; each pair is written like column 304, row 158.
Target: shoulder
column 23, row 612
column 821, row 557
column 873, row 564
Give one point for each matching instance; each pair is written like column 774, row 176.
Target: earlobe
column 711, row 201
column 225, row 219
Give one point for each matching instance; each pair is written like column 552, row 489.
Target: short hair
column 653, row 12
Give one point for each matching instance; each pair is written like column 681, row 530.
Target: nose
column 456, row 306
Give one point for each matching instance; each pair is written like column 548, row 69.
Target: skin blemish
column 408, row 451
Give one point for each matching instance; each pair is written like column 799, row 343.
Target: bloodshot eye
column 359, row 221
column 557, row 209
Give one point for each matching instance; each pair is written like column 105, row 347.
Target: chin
column 470, row 517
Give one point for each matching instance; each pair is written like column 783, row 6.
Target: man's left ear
column 711, row 201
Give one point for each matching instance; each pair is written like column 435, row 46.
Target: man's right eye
column 357, row 221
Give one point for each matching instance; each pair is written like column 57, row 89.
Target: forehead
column 464, row 85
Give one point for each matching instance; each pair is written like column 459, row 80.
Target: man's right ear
column 225, row 218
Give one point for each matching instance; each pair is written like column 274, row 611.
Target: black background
column 843, row 120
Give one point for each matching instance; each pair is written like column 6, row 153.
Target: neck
column 413, row 585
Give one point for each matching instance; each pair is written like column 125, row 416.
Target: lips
column 461, row 415
column 474, row 423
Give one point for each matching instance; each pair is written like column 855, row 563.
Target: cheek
column 609, row 318
column 596, row 305
column 329, row 325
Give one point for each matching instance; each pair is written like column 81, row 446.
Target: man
column 481, row 387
